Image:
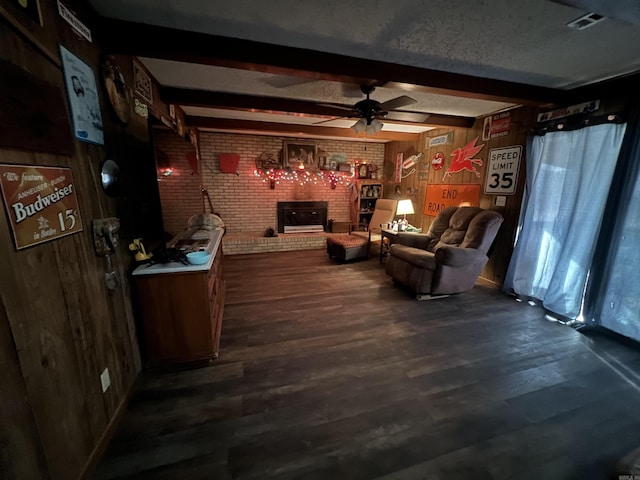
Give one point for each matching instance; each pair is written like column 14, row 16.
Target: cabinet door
column 176, row 317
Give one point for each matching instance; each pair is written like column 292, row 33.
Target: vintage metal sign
column 41, row 203
column 496, row 126
column 79, row 27
column 585, row 107
column 502, row 170
column 440, row 197
column 463, row 159
column 397, row 174
column 445, row 139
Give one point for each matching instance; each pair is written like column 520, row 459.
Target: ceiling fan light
column 375, row 126
column 360, row 126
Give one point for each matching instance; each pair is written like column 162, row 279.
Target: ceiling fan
column 370, row 111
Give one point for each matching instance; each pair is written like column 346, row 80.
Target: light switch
column 501, row 201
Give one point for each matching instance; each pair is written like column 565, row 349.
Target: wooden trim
column 103, row 442
column 254, row 127
column 30, row 37
column 144, row 40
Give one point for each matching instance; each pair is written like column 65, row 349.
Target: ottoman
column 347, row 247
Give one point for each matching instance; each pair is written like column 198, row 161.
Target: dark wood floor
column 328, row 371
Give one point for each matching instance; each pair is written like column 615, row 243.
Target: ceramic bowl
column 198, row 258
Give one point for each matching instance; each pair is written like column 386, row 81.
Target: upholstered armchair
column 447, row 259
column 358, row 242
column 383, row 213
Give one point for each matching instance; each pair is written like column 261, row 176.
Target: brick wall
column 245, row 202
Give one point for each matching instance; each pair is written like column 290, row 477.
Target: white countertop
column 176, row 267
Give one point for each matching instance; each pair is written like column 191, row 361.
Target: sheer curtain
column 613, row 292
column 568, row 178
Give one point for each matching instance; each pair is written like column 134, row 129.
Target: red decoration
column 438, row 161
column 462, row 159
column 229, row 162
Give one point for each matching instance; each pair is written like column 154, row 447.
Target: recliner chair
column 447, row 259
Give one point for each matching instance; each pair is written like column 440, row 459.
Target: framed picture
column 82, row 92
column 363, row 170
column 142, row 83
column 299, row 154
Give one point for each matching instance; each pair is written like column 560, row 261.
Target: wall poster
column 41, row 203
column 83, row 98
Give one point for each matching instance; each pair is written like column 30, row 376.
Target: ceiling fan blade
column 401, row 116
column 397, row 102
column 328, row 120
column 336, row 106
column 339, row 110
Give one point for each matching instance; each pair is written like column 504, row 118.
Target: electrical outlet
column 105, row 380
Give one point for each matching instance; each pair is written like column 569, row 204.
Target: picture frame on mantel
column 300, row 154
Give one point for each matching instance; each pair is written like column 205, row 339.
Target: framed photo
column 299, row 154
column 82, row 92
column 363, row 171
column 142, row 83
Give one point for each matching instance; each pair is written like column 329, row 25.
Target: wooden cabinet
column 368, row 192
column 182, row 314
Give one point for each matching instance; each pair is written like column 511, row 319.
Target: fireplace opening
column 301, row 217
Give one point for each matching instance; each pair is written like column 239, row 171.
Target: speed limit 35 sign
column 502, row 170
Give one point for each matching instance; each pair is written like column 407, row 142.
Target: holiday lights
column 303, row 177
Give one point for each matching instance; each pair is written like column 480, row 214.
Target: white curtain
column 568, row 178
column 613, row 291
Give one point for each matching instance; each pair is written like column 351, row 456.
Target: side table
column 390, row 235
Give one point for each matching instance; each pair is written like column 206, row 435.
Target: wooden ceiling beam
column 144, row 40
column 288, row 129
column 209, row 99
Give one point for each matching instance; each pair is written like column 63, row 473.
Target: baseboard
column 108, row 433
column 489, row 283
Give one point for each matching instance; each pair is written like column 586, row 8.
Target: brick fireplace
column 245, row 202
column 302, row 217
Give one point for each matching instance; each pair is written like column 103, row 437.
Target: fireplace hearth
column 302, row 217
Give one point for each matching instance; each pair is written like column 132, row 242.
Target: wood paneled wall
column 522, row 119
column 60, row 326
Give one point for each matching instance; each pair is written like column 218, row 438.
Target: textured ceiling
column 517, row 41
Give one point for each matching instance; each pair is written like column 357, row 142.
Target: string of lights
column 304, row 177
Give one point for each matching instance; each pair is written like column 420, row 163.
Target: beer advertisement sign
column 41, row 203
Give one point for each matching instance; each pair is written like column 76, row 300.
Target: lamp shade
column 405, row 207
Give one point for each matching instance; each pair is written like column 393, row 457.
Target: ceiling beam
column 288, row 129
column 144, row 40
column 209, row 99
column 624, row 87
